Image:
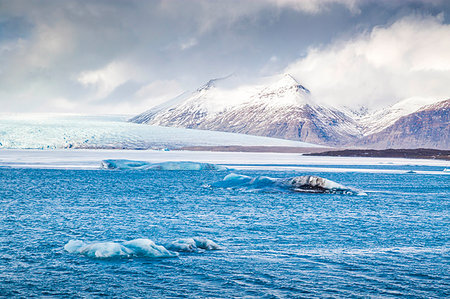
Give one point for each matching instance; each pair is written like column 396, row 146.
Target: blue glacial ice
column 306, row 183
column 170, row 165
column 139, row 248
column 192, row 244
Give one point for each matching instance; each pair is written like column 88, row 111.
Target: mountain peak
column 285, row 90
column 212, row 83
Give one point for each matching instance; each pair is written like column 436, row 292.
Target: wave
column 307, row 184
column 139, row 248
column 171, row 165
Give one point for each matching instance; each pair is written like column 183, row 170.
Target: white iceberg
column 170, row 165
column 137, row 247
column 306, row 183
column 193, row 244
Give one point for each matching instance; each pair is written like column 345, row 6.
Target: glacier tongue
column 62, row 131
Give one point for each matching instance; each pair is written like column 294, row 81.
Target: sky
column 125, row 56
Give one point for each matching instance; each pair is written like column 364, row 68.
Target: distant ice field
column 91, row 159
column 57, row 131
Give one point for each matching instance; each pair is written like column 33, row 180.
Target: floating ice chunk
column 193, row 244
column 142, row 165
column 315, row 184
column 73, row 246
column 137, row 247
column 307, row 183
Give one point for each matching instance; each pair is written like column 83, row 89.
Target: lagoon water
column 274, row 243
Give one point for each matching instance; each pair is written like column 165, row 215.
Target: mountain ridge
column 283, row 108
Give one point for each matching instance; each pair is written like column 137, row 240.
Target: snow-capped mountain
column 381, row 119
column 283, row 108
column 428, row 127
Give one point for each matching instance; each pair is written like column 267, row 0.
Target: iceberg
column 139, row 248
column 193, row 244
column 170, row 165
column 133, row 248
column 306, row 183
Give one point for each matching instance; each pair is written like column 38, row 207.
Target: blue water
column 393, row 242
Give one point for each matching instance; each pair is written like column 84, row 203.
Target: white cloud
column 158, row 92
column 410, row 58
column 188, row 44
column 208, row 14
column 96, row 53
column 103, row 81
column 316, row 6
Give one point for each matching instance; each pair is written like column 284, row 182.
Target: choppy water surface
column 274, row 243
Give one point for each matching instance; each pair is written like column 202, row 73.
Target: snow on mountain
column 428, row 127
column 53, row 131
column 383, row 118
column 281, row 108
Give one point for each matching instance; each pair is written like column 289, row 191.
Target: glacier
column 71, row 131
column 125, row 164
column 306, row 184
column 139, row 248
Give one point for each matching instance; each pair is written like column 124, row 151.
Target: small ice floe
column 171, row 165
column 192, row 244
column 139, row 248
column 306, row 183
column 446, row 170
column 133, row 248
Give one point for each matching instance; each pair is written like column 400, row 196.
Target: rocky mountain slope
column 283, row 108
column 429, row 127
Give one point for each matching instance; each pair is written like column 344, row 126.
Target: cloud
column 210, row 14
column 105, row 80
column 188, row 44
column 409, row 58
column 128, row 54
column 158, row 92
column 316, row 6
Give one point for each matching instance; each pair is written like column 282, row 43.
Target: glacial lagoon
column 153, row 233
